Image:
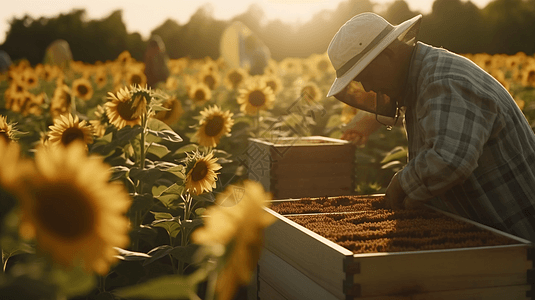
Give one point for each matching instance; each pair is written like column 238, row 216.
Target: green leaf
column 171, row 225
column 185, row 253
column 157, row 190
column 162, row 130
column 187, row 148
column 164, row 287
column 73, row 281
column 118, row 172
column 161, row 215
column 169, row 200
column 158, row 150
column 397, row 153
column 141, row 202
column 157, row 253
column 130, row 255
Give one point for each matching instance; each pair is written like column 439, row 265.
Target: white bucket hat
column 360, row 40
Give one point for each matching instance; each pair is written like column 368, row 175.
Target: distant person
column 5, row 61
column 471, row 149
column 156, row 59
column 58, row 53
column 241, row 48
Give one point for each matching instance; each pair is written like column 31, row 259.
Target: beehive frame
column 299, row 264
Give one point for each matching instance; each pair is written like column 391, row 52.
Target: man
column 471, row 149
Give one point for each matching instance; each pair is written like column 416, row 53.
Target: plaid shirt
column 471, row 149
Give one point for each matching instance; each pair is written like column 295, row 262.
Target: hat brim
column 402, row 29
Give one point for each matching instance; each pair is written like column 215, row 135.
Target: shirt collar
column 412, row 75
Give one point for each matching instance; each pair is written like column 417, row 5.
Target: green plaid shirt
column 471, row 149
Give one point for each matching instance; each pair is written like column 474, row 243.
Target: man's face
column 379, row 76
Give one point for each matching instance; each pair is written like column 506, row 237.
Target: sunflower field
column 114, row 190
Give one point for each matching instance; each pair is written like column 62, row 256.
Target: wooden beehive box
column 297, row 263
column 313, row 166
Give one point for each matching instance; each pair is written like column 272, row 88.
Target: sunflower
column 199, row 93
column 213, row 125
column 235, row 77
column 124, row 57
column 101, row 78
column 12, row 166
column 291, row 65
column 172, row 115
column 30, row 78
column 171, row 83
column 135, row 76
column 15, row 91
column 82, row 88
column 100, row 122
column 211, row 79
column 255, row 97
column 123, row 110
column 528, row 76
column 243, row 224
column 67, row 129
column 61, row 101
column 6, row 130
column 310, row 92
column 274, row 82
column 201, row 172
column 49, row 72
column 73, row 211
column 34, row 105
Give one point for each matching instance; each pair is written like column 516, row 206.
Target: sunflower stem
column 5, row 257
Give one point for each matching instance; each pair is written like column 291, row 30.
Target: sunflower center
column 235, row 78
column 210, row 81
column 31, row 81
column 135, row 79
column 199, row 171
column 272, row 84
column 200, row 95
column 531, row 76
column 214, row 126
column 323, row 65
column 4, row 136
column 70, row 134
column 82, row 89
column 257, row 98
column 126, row 111
column 309, row 91
column 64, row 210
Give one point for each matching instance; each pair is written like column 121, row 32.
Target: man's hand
column 394, row 196
column 360, row 128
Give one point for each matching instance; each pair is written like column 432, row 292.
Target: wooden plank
column 268, row 293
column 440, row 270
column 311, row 169
column 289, row 282
column 313, row 255
column 319, row 154
column 297, row 183
column 514, row 292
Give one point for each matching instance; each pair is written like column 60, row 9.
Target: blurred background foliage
column 503, row 26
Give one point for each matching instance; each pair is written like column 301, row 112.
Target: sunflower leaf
column 187, row 148
column 163, row 287
column 130, row 255
column 162, row 130
column 168, row 135
column 118, row 172
column 141, row 202
column 397, row 153
column 158, row 150
column 157, row 253
column 172, row 226
column 185, row 253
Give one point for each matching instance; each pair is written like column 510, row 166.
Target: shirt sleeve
column 456, row 122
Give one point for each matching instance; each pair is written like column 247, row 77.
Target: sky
column 139, row 17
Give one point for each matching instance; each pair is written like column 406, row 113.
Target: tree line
column 503, row 26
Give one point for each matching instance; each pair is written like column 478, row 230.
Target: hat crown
column 354, row 36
